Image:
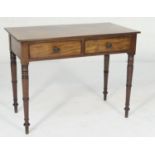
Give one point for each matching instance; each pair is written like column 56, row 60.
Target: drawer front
column 108, row 45
column 55, row 49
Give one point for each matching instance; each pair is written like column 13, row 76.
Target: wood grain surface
column 117, row 44
column 66, row 31
column 46, row 50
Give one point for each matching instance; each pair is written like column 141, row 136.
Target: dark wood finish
column 129, row 83
column 13, row 64
column 25, row 83
column 14, row 80
column 15, row 46
column 67, row 31
column 106, row 73
column 67, row 41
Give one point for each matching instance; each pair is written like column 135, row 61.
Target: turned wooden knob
column 56, row 50
column 109, row 45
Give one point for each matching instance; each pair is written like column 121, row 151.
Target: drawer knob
column 56, row 50
column 109, row 45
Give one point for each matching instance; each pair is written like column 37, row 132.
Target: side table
column 68, row 41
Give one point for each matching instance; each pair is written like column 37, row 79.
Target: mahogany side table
column 68, row 41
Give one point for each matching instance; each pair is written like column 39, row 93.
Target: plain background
column 66, row 95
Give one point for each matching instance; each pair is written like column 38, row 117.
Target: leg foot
column 15, row 107
column 26, row 128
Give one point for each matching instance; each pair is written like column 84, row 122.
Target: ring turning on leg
column 25, row 83
column 106, row 73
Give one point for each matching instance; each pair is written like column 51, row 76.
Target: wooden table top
column 66, row 31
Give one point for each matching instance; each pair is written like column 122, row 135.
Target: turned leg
column 25, row 83
column 14, row 80
column 129, row 83
column 106, row 72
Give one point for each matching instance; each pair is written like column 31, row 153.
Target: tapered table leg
column 25, row 83
column 106, row 73
column 14, row 80
column 129, row 83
